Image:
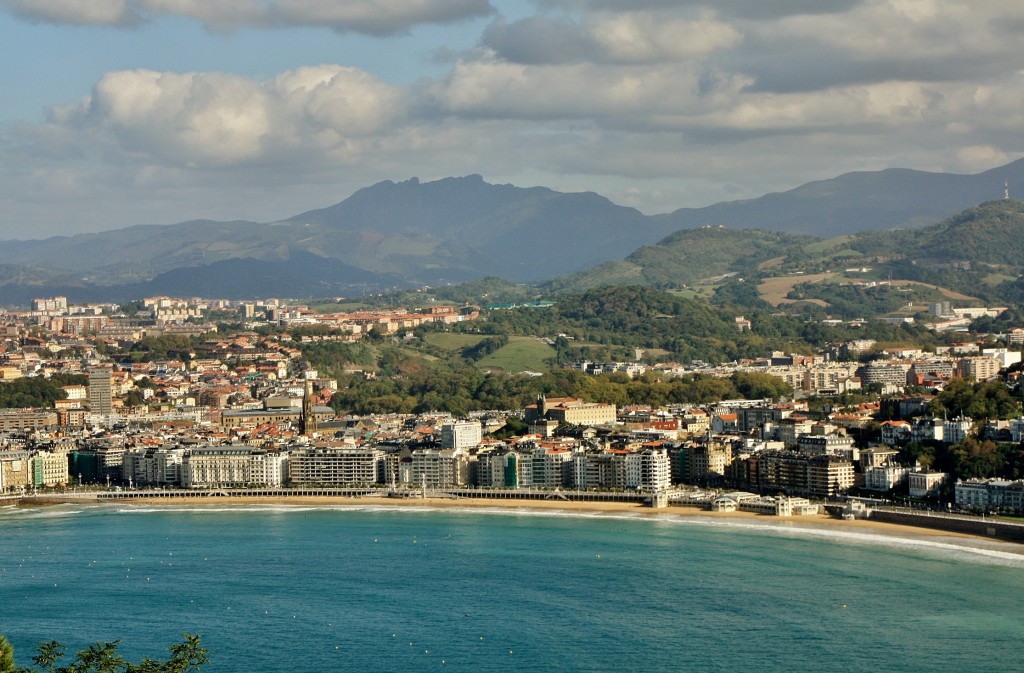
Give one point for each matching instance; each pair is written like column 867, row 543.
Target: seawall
column 987, row 527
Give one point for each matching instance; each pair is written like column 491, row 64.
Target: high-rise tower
column 101, row 389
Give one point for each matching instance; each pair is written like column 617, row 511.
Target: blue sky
column 121, row 112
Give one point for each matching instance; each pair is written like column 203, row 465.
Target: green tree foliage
column 851, row 301
column 187, row 656
column 737, row 294
column 755, row 385
column 985, row 400
column 459, row 389
column 971, row 459
column 485, row 347
column 35, row 391
column 163, row 347
column 6, row 656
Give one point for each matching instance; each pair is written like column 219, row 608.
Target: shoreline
column 502, row 505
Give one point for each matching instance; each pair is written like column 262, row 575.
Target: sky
column 122, row 112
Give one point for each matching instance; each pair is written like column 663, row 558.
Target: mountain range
column 458, row 229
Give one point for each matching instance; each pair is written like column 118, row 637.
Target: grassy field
column 771, row 263
column 521, row 354
column 819, row 247
column 994, row 279
column 453, row 342
column 774, row 290
column 949, row 294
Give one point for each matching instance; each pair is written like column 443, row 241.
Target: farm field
column 521, row 354
column 774, row 290
column 453, row 342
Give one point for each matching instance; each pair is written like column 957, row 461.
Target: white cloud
column 376, row 17
column 216, row 119
column 626, row 38
column 684, row 101
column 79, row 12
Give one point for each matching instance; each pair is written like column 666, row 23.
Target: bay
column 289, row 588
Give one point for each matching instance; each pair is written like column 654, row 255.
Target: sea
column 301, row 589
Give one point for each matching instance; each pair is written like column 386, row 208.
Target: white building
column 461, row 434
column 832, row 445
column 232, row 466
column 648, row 470
column 1007, row 358
column 923, row 483
column 983, row 494
column 884, row 478
column 956, row 430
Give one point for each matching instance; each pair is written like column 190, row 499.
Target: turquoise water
column 362, row 589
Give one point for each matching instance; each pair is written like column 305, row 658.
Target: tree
column 188, row 656
column 6, row 656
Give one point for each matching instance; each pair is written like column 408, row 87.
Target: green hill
column 991, row 233
column 694, row 255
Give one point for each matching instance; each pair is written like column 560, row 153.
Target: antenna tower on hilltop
column 1006, row 191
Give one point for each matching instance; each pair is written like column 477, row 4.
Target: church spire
column 307, row 419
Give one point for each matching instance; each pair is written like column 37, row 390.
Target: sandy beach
column 821, row 521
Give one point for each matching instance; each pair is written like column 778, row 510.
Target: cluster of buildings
column 891, row 370
column 247, row 410
column 985, row 495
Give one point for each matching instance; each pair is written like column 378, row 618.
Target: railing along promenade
column 332, row 492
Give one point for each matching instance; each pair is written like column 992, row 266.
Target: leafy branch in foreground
column 188, row 656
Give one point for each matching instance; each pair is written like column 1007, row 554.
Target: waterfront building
column 232, row 466
column 921, row 483
column 435, row 468
column 603, row 470
column 777, row 506
column 884, row 477
column 499, row 469
column 49, row 469
column 153, row 465
column 15, row 471
column 791, row 472
column 648, row 470
column 985, row 494
column 707, row 462
column 97, row 463
column 336, row 465
column 549, row 468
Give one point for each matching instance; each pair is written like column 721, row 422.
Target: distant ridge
column 462, row 228
column 862, row 201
